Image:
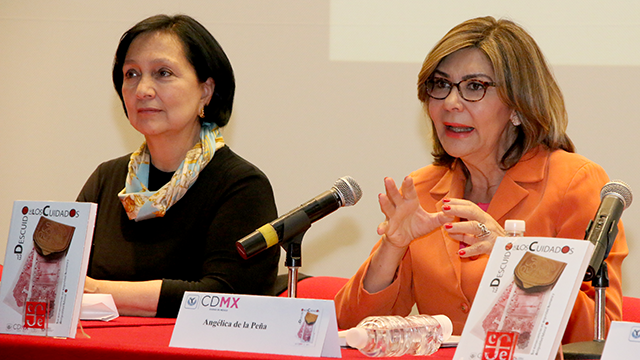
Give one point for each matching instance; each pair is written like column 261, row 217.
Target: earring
column 201, row 114
column 515, row 119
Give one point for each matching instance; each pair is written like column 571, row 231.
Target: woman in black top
column 170, row 213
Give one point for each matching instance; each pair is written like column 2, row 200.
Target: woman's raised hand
column 479, row 231
column 405, row 221
column 405, row 218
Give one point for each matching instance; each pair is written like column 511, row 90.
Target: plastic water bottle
column 396, row 336
column 514, row 227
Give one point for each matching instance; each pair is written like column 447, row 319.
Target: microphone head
column 348, row 190
column 619, row 189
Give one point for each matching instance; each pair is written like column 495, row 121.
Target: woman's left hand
column 90, row 285
column 479, row 231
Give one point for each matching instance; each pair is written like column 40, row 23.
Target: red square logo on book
column 499, row 345
column 35, row 315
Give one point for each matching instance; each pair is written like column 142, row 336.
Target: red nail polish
column 461, row 252
column 446, row 200
column 446, row 207
column 448, row 226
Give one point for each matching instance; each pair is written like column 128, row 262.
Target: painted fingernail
column 446, row 207
column 461, row 252
column 446, row 200
column 448, row 226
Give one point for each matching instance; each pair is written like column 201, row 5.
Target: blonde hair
column 525, row 84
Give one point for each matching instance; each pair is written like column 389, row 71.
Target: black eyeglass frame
column 486, row 85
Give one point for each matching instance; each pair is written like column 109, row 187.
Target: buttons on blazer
column 465, row 307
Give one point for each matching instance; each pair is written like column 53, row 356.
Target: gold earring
column 201, row 114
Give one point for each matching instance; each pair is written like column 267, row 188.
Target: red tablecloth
column 132, row 338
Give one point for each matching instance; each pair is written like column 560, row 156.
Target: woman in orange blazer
column 500, row 152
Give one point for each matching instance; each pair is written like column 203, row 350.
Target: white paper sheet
column 98, row 307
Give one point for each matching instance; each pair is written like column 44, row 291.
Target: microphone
column 345, row 192
column 602, row 230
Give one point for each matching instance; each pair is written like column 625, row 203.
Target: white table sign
column 623, row 341
column 257, row 324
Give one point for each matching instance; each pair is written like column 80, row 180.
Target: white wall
column 303, row 118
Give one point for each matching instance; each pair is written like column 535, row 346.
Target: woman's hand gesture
column 479, row 230
column 405, row 218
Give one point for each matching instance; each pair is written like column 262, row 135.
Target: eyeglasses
column 471, row 90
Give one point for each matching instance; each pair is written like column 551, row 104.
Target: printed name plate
column 257, row 324
column 623, row 341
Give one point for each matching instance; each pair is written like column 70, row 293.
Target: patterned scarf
column 140, row 203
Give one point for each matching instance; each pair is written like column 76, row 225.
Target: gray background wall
column 306, row 112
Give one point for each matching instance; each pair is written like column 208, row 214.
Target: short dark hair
column 200, row 48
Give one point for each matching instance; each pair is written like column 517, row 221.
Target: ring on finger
column 484, row 232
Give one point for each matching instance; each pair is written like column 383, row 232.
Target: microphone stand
column 593, row 349
column 293, row 262
column 294, row 228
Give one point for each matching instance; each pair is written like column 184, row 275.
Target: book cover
column 45, row 267
column 525, row 298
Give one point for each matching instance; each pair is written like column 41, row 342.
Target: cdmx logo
column 191, row 302
column 213, row 301
column 634, row 335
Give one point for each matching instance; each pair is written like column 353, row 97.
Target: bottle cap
column 514, row 225
column 447, row 326
column 356, row 337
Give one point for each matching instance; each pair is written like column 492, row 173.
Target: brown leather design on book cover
column 537, row 273
column 51, row 238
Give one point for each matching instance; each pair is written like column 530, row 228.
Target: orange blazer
column 556, row 193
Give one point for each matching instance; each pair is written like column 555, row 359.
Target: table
column 134, row 338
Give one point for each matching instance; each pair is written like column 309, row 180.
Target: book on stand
column 45, row 267
column 525, row 298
